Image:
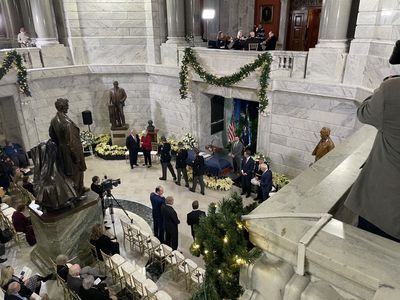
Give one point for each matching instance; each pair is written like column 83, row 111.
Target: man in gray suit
column 375, row 195
column 236, row 154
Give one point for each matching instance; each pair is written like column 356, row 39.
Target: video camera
column 108, row 184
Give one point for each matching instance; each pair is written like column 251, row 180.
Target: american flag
column 231, row 129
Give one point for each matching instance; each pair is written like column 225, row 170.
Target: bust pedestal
column 119, row 135
column 65, row 232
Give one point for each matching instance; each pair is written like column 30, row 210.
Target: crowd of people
column 255, row 40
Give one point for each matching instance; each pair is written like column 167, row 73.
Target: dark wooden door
column 297, row 30
column 314, row 16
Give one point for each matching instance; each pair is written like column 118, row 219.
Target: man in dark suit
column 198, row 172
column 65, row 134
column 133, row 145
column 236, row 154
column 165, row 159
column 257, row 176
column 265, row 182
column 181, row 163
column 247, row 173
column 157, row 200
column 13, row 292
column 193, row 218
column 74, row 280
column 171, row 222
column 96, row 292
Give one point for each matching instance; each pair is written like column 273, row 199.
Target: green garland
column 13, row 58
column 222, row 239
column 263, row 61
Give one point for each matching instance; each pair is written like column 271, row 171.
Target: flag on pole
column 232, row 129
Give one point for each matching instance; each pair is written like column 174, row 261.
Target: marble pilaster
column 212, row 26
column 334, row 24
column 193, row 19
column 12, row 14
column 26, row 12
column 44, row 22
column 332, row 44
column 176, row 21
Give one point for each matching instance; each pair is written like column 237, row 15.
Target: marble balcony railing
column 340, row 261
column 31, row 56
column 285, row 64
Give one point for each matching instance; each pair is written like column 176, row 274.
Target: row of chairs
column 172, row 259
column 130, row 276
column 6, row 213
column 68, row 293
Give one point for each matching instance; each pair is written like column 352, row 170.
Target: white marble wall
column 86, row 88
column 296, row 120
column 112, row 32
column 376, row 32
column 171, row 115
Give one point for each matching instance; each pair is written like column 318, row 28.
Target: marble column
column 176, row 21
column 27, row 18
column 12, row 14
column 334, row 24
column 193, row 19
column 212, row 26
column 44, row 22
column 327, row 60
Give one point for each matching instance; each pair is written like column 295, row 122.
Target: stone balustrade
column 285, row 64
column 340, row 261
column 288, row 64
column 30, row 56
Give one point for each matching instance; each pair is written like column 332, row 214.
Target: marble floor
column 136, row 186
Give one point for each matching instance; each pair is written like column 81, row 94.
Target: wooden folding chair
column 128, row 269
column 159, row 295
column 117, row 261
column 128, row 235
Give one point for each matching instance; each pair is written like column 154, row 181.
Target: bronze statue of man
column 116, row 106
column 65, row 134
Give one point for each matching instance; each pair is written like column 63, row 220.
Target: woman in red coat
column 146, row 147
column 23, row 224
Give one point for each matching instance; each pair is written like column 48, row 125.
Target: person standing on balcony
column 374, row 196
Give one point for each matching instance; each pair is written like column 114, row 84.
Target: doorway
column 303, row 28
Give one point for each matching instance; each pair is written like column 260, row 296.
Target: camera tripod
column 110, row 199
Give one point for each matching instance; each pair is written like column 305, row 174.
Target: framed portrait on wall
column 266, row 14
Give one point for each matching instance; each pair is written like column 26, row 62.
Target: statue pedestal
column 119, row 135
column 65, row 232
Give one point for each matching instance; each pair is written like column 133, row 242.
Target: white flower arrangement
column 189, row 141
column 87, row 138
column 213, row 183
column 104, row 150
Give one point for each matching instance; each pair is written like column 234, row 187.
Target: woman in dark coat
column 23, row 224
column 103, row 242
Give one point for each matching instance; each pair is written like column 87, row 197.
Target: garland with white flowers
column 13, row 58
column 263, row 61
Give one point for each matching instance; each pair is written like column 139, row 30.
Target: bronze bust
column 150, row 127
column 325, row 144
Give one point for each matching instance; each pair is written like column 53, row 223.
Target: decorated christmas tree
column 222, row 240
